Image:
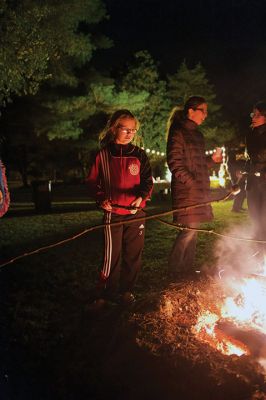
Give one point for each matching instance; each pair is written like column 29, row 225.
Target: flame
column 245, row 308
column 206, row 330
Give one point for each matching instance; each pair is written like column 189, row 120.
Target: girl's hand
column 106, row 205
column 136, row 203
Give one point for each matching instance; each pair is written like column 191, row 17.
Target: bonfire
column 239, row 325
column 213, row 325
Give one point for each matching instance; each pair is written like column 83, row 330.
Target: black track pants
column 123, row 245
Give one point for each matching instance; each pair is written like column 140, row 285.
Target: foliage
column 141, row 75
column 190, row 82
column 45, row 54
column 158, row 165
column 219, row 134
column 68, row 113
column 42, row 40
column 49, row 42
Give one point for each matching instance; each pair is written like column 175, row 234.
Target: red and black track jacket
column 120, row 173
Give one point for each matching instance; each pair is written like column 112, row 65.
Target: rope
column 149, row 217
column 185, row 228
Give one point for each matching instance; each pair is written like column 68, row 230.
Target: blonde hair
column 179, row 113
column 107, row 136
column 176, row 115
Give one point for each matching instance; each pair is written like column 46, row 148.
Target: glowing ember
column 245, row 308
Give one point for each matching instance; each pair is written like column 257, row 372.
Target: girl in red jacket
column 121, row 181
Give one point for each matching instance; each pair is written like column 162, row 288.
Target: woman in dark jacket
column 190, row 183
column 256, row 179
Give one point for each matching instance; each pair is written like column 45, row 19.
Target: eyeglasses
column 205, row 112
column 127, row 130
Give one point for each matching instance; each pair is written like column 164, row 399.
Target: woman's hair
column 179, row 114
column 261, row 107
column 107, row 135
column 193, row 102
column 175, row 117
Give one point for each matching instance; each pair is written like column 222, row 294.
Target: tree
column 190, row 82
column 81, row 118
column 67, row 115
column 43, row 40
column 187, row 82
column 143, row 75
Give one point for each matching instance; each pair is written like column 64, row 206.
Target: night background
column 65, row 67
column 227, row 37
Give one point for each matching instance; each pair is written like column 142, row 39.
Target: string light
column 207, row 152
column 222, row 170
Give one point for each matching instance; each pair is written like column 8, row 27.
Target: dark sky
column 228, row 37
column 174, row 29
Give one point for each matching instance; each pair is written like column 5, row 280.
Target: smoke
column 237, row 257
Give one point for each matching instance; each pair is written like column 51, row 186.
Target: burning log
column 253, row 340
column 230, row 343
column 207, row 330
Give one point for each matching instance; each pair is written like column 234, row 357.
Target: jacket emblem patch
column 133, row 169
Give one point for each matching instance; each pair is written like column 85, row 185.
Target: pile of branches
column 165, row 329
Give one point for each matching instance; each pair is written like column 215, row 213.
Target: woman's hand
column 1, row 197
column 217, row 156
column 136, row 203
column 106, row 205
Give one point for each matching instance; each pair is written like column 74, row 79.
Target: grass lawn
column 43, row 295
column 23, row 231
